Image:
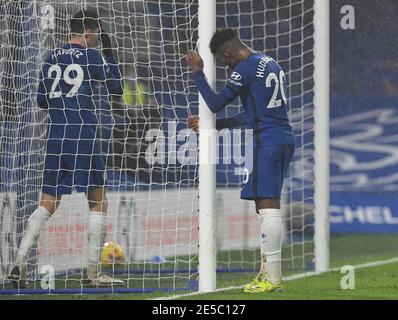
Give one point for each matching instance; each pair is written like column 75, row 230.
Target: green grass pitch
column 373, row 282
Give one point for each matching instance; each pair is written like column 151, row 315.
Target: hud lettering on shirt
column 262, row 64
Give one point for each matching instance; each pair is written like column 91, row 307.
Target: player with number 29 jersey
column 69, row 79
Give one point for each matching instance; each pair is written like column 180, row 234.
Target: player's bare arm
column 194, row 61
column 193, row 123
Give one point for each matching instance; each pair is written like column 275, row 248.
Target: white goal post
column 207, row 156
column 321, row 134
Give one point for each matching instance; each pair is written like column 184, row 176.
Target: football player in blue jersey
column 69, row 78
column 259, row 81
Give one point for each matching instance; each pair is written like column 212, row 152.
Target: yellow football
column 112, row 254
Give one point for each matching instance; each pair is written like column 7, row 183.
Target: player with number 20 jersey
column 259, row 81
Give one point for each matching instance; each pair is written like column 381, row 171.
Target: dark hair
column 220, row 37
column 83, row 20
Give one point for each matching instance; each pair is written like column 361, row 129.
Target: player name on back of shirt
column 262, row 64
column 74, row 52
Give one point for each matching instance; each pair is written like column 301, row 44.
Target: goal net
column 151, row 155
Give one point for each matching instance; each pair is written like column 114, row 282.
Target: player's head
column 86, row 24
column 226, row 46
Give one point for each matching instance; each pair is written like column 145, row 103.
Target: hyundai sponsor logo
column 236, row 76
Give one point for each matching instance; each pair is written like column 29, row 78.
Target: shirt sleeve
column 239, row 79
column 237, row 120
column 215, row 101
column 106, row 71
column 42, row 92
column 236, row 85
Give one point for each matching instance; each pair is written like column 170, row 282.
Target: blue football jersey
column 69, row 79
column 260, row 83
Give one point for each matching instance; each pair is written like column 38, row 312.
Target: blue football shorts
column 70, row 165
column 270, row 165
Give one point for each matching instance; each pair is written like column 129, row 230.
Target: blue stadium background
column 364, row 119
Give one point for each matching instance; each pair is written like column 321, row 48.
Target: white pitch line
column 288, row 278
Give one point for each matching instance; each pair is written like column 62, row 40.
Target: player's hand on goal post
column 193, row 123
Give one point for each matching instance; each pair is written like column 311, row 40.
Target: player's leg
column 96, row 229
column 271, row 231
column 53, row 175
column 96, row 238
column 271, row 228
column 266, row 186
column 248, row 192
column 48, row 204
column 89, row 177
